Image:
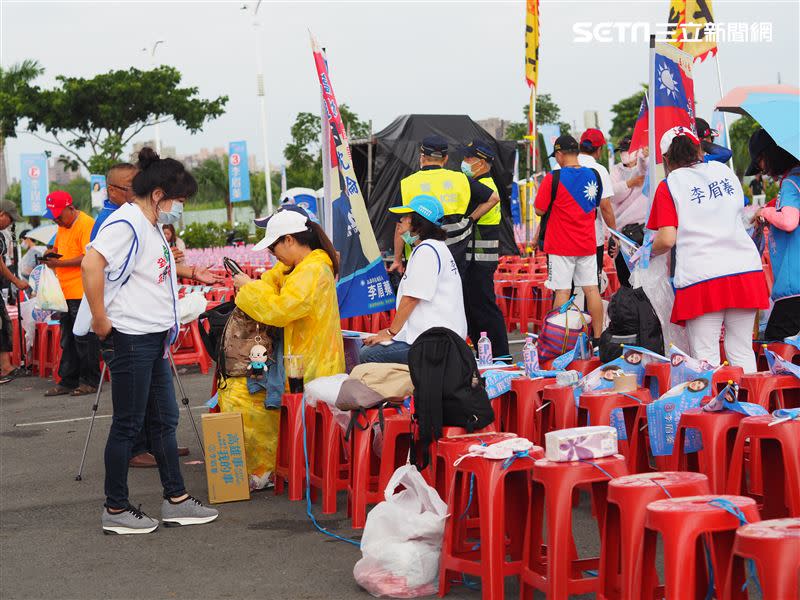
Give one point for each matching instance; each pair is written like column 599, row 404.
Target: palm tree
column 15, row 90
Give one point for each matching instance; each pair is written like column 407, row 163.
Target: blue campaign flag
column 238, row 172
column 99, row 192
column 550, row 134
column 33, row 180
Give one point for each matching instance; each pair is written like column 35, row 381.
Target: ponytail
column 316, row 239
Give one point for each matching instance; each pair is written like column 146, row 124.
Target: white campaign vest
column 712, row 241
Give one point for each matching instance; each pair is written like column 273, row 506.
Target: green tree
column 212, row 182
column 14, row 193
column 740, row 131
column 15, row 93
column 258, row 192
column 547, row 113
column 80, row 190
column 303, row 152
column 92, row 120
column 626, row 111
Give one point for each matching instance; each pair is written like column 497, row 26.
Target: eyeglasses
column 274, row 245
column 119, row 187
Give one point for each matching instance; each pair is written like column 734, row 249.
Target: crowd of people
column 446, row 248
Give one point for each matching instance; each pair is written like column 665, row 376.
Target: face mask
column 408, row 238
column 466, row 168
column 173, row 216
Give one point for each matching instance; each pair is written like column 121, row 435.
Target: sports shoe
column 130, row 520
column 187, row 512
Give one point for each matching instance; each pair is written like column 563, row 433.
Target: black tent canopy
column 394, row 154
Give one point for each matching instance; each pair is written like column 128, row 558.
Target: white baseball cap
column 280, row 224
column 671, row 134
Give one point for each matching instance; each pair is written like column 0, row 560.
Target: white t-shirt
column 586, row 160
column 432, row 276
column 144, row 304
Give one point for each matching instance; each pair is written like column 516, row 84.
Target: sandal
column 83, row 390
column 59, row 390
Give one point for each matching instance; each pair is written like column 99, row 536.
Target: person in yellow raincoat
column 299, row 295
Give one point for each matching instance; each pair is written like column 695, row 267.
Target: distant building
column 495, row 126
column 57, row 174
column 166, row 151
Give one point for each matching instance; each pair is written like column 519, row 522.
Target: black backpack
column 632, row 321
column 448, row 389
column 217, row 317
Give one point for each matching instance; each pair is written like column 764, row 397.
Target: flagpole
column 721, row 95
column 651, row 117
column 529, row 214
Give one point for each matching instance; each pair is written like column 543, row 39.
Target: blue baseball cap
column 479, row 149
column 425, row 206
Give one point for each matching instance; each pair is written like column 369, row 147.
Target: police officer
column 482, row 257
column 455, row 191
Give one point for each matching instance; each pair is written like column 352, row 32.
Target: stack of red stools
column 189, row 348
column 770, row 391
column 289, row 458
column 329, row 470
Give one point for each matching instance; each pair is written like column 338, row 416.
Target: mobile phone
column 231, row 266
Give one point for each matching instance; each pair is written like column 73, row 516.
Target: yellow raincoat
column 303, row 303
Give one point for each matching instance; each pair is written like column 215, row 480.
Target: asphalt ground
column 52, row 546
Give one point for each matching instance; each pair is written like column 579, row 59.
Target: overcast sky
column 386, row 58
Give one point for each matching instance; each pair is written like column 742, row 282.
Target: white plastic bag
column 191, row 306
column 403, row 539
column 48, row 291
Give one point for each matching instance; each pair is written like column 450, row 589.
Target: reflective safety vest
column 485, row 245
column 493, row 216
column 453, row 191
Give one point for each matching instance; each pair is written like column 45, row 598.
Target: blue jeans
column 143, row 398
column 396, row 352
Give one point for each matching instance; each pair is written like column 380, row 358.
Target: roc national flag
column 363, row 287
column 532, row 42
column 673, row 96
column 692, row 28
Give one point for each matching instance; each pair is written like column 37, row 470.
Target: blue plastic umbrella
column 775, row 107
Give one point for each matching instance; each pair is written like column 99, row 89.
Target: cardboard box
column 226, row 465
column 625, row 383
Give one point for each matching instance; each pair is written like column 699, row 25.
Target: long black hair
column 682, row 152
column 425, row 229
column 778, row 161
column 315, row 238
column 166, row 174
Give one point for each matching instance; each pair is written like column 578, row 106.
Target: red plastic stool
column 785, row 351
column 557, row 411
column 502, row 490
column 560, row 572
column 621, row 554
column 523, row 400
column 770, row 391
column 362, row 487
column 189, row 349
column 596, row 407
column 777, row 451
column 724, row 375
column 657, row 378
column 328, row 466
column 718, row 433
column 396, row 444
column 775, row 547
column 449, row 448
column 431, row 472
column 289, row 459
column 684, row 524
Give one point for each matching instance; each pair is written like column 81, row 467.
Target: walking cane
column 95, row 406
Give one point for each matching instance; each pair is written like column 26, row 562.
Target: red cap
column 56, row 202
column 594, row 136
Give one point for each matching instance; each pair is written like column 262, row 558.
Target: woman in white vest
column 719, row 278
column 129, row 278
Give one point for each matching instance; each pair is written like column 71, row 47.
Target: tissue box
column 580, row 443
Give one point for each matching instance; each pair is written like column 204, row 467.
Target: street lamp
column 262, row 103
column 152, row 65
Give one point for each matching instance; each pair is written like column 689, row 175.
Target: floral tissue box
column 580, row 443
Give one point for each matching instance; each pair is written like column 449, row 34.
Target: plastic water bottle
column 484, row 350
column 530, row 357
